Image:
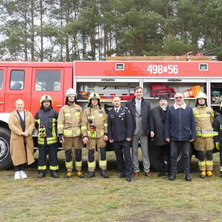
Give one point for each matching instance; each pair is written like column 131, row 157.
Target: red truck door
column 48, row 81
column 17, row 86
column 2, row 88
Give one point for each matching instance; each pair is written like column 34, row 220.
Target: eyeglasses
column 179, row 97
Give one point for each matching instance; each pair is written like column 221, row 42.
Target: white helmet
column 70, row 92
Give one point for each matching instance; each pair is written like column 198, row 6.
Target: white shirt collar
column 117, row 109
column 138, row 100
column 177, row 107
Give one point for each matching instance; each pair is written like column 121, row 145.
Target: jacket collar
column 177, row 107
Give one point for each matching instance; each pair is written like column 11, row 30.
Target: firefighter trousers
column 73, row 152
column 101, row 149
column 204, row 147
column 52, row 150
column 220, row 159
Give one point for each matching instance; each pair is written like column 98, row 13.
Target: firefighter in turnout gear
column 69, row 130
column 204, row 143
column 94, row 133
column 217, row 125
column 46, row 124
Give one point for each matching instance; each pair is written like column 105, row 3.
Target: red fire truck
column 116, row 76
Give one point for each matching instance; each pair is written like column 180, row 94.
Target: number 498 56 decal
column 160, row 69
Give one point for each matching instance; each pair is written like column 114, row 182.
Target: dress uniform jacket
column 120, row 125
column 69, row 120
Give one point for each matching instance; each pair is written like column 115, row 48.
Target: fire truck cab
column 117, row 76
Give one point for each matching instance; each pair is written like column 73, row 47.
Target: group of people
column 172, row 127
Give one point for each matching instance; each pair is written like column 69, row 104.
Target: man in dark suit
column 143, row 127
column 120, row 132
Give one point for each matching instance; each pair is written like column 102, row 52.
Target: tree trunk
column 32, row 31
column 167, row 16
column 41, row 34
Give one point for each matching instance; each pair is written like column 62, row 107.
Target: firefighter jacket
column 94, row 122
column 204, row 118
column 217, row 126
column 46, row 124
column 69, row 120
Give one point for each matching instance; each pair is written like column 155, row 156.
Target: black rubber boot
column 91, row 174
column 54, row 174
column 104, row 174
column 41, row 175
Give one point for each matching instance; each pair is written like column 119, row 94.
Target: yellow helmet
column 45, row 98
column 201, row 95
column 93, row 95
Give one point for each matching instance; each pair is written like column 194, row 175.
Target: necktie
column 116, row 110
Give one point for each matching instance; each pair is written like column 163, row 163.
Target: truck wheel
column 5, row 157
column 153, row 160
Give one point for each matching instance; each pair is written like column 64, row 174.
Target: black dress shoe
column 122, row 175
column 161, row 174
column 54, row 174
column 104, row 174
column 188, row 178
column 91, row 174
column 172, row 177
column 41, row 175
column 128, row 179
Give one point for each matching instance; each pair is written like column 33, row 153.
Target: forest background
column 67, row 30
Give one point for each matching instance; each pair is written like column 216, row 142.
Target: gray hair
column 19, row 100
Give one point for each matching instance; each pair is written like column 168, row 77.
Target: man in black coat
column 120, row 132
column 162, row 147
column 143, row 127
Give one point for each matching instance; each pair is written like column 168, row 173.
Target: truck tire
column 153, row 160
column 5, row 157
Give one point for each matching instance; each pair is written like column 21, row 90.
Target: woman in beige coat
column 21, row 123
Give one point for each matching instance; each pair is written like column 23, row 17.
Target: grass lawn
column 113, row 199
